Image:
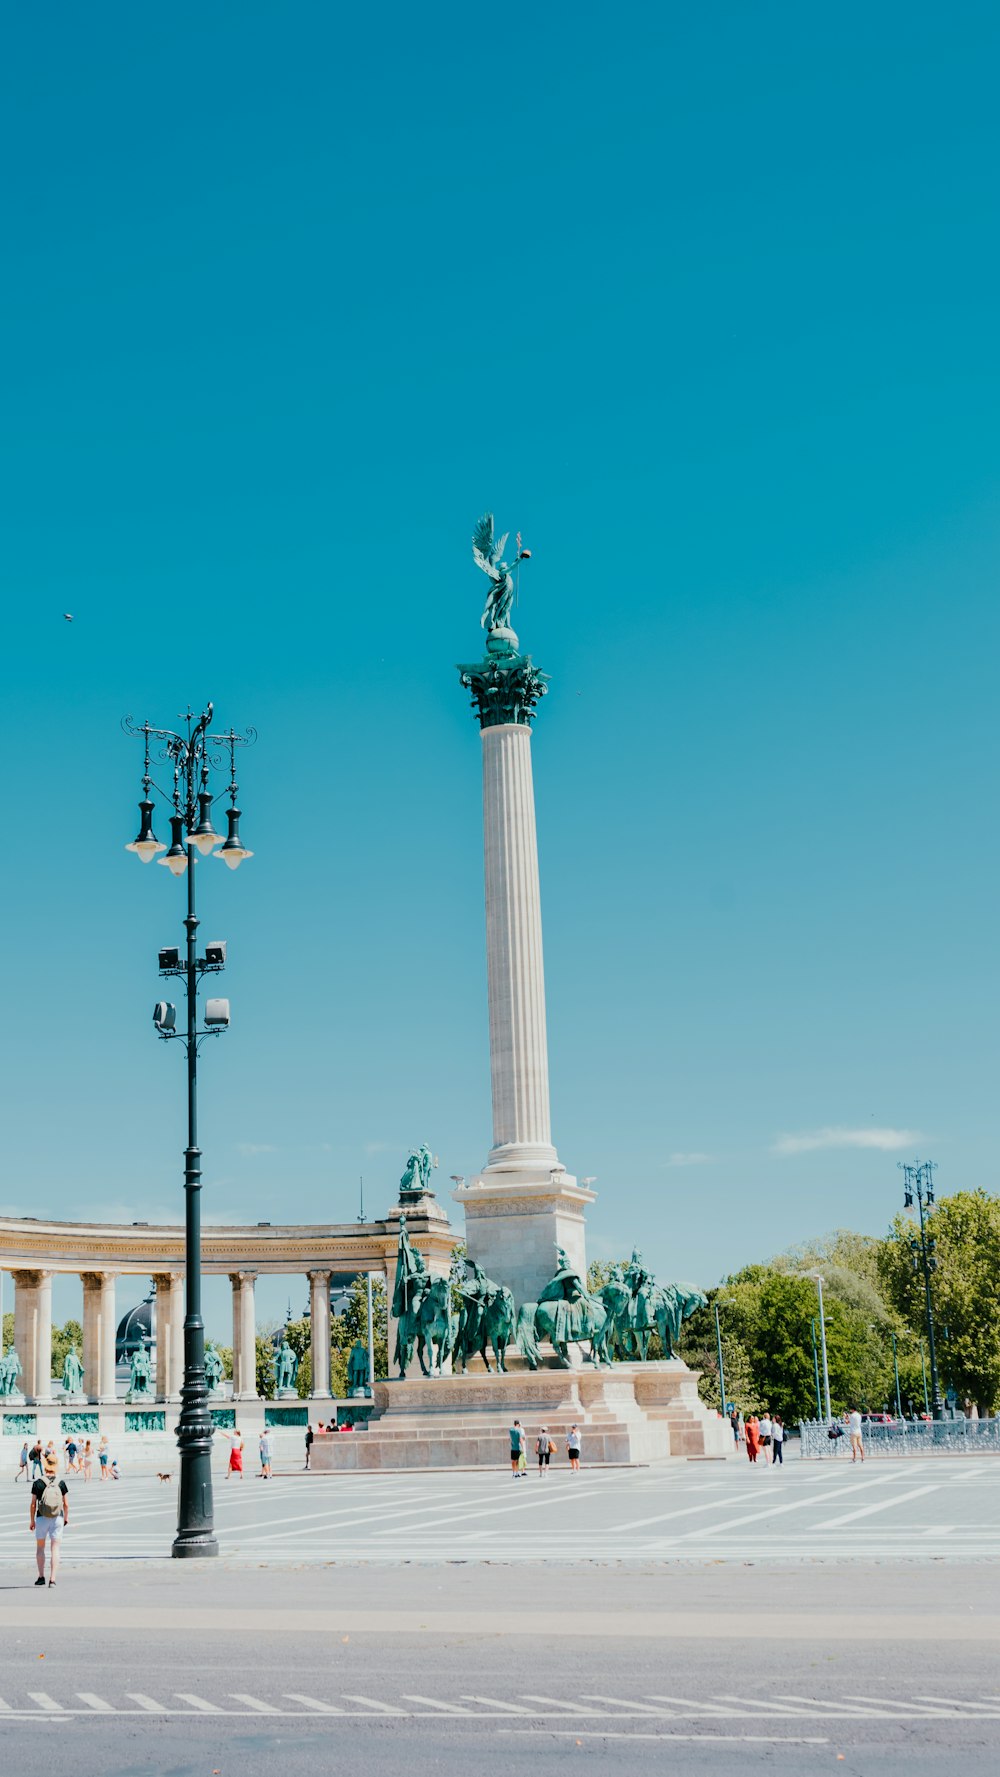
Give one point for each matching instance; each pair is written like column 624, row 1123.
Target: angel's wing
column 482, row 538
column 483, row 562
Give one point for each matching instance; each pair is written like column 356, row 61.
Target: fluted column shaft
column 169, row 1336
column 99, row 1329
column 244, row 1336
column 319, row 1322
column 33, row 1332
column 516, row 982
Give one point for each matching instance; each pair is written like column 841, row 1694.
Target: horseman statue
column 487, row 1316
column 566, row 1314
column 421, row 1306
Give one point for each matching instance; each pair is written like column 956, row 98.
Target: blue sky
column 704, row 302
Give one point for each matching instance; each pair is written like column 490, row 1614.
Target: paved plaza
column 944, row 1508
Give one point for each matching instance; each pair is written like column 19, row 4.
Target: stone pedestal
column 514, row 1221
column 629, row 1414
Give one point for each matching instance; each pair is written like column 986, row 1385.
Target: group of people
column 545, row 1449
column 78, row 1459
column 763, row 1436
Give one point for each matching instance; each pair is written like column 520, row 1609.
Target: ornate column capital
column 504, row 688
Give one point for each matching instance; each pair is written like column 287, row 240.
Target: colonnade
column 33, row 1334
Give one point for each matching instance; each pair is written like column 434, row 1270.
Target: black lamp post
column 918, row 1183
column 193, row 755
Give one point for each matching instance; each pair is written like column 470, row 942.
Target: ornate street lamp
column 918, row 1183
column 193, row 756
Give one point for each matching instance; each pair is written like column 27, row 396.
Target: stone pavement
column 944, row 1508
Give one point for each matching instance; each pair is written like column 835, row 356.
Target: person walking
column 235, row 1455
column 734, row 1421
column 265, row 1456
column 752, row 1437
column 23, row 1468
column 48, row 1514
column 777, row 1441
column 102, row 1458
column 35, row 1458
column 88, row 1460
column 854, row 1432
column 309, row 1445
column 573, row 1448
column 543, row 1450
column 765, row 1435
column 516, row 1449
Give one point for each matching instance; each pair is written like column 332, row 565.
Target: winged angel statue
column 487, row 552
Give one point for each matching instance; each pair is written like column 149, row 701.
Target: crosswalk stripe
column 555, row 1703
column 373, row 1703
column 46, row 1702
column 199, row 1703
column 313, row 1703
column 435, row 1703
column 958, row 1703
column 624, row 1703
column 688, row 1703
column 255, row 1703
column 495, row 1703
column 148, row 1703
column 97, row 1703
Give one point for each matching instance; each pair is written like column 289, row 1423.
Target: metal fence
column 906, row 1437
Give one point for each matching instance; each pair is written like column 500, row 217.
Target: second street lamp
column 192, row 755
column 918, row 1184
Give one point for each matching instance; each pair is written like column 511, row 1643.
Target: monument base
column 517, row 1216
column 631, row 1413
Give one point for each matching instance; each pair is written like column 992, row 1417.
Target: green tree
column 265, row 1363
column 966, row 1286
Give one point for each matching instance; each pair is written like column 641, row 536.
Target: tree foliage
column 966, row 1286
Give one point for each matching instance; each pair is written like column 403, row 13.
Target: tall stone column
column 99, row 1328
column 169, row 1336
column 244, row 1336
column 33, row 1332
column 524, row 1204
column 319, row 1323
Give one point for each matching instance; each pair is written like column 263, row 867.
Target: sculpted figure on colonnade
column 416, row 1177
column 72, row 1376
column 213, row 1369
column 487, row 1315
column 286, row 1368
column 357, row 1369
column 10, row 1370
column 139, row 1383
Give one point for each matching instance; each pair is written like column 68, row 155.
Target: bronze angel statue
column 487, row 553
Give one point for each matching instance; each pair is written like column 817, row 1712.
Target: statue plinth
column 287, row 1394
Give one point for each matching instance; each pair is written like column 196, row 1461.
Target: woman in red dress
column 235, row 1455
column 753, row 1437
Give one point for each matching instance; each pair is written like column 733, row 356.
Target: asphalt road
column 820, row 1617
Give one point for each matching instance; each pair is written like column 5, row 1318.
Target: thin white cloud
column 248, row 1149
column 690, row 1159
column 809, row 1140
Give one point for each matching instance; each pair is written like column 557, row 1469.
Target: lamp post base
column 186, row 1548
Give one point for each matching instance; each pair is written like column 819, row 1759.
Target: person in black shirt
column 48, row 1514
column 309, row 1444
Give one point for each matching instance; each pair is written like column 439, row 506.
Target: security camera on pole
column 192, row 755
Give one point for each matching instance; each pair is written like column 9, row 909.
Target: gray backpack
column 51, row 1503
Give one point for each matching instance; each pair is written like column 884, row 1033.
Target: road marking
column 148, row 1703
column 834, row 1705
column 495, row 1703
column 793, row 1505
column 670, row 1734
column 688, row 1703
column 771, row 1707
column 256, row 1703
column 3, row 1705
column 199, row 1703
column 97, row 1703
column 623, row 1703
column 556, row 1703
column 435, row 1703
column 313, row 1703
column 920, row 1710
column 373, row 1703
column 46, row 1702
column 958, row 1703
column 882, row 1505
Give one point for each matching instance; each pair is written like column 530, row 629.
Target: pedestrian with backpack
column 48, row 1515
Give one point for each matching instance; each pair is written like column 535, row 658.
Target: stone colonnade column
column 169, row 1335
column 99, row 1328
column 244, row 1336
column 33, row 1332
column 319, row 1322
column 519, row 1061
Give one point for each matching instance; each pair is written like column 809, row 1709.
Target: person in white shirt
column 765, row 1435
column 854, row 1431
column 778, row 1439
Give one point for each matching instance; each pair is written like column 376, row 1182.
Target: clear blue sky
column 704, row 300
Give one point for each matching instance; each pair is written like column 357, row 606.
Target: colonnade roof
column 144, row 1248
